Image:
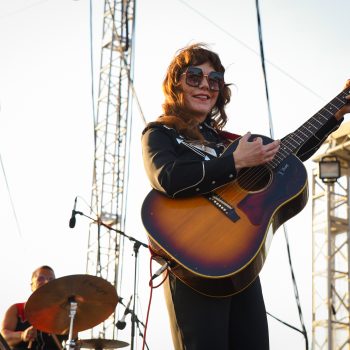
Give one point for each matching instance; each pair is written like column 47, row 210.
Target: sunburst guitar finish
column 217, row 243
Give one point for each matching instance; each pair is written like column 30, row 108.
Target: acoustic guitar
column 217, row 243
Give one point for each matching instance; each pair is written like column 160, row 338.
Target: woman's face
column 199, row 101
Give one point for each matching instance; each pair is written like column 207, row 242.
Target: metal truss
column 112, row 138
column 331, row 251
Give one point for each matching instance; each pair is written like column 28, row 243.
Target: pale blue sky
column 46, row 129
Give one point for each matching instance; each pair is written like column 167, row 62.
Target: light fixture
column 329, row 169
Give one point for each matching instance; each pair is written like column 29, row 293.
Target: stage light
column 329, row 169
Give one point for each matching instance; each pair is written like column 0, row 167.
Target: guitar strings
column 254, row 175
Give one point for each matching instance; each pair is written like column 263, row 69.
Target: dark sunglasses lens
column 216, row 81
column 194, row 76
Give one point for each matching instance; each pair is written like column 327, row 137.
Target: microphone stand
column 137, row 245
column 138, row 322
column 99, row 222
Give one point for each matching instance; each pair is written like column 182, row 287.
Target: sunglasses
column 195, row 76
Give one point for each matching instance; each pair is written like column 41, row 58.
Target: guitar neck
column 292, row 142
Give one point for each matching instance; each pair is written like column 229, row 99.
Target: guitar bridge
column 223, row 206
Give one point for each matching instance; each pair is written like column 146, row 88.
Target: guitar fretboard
column 292, row 142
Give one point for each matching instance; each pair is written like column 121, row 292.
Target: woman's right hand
column 253, row 153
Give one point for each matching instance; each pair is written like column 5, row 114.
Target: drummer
column 18, row 332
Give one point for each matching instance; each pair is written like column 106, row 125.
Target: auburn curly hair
column 193, row 55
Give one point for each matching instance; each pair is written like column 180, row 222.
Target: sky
column 46, row 127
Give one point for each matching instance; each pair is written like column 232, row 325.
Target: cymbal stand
column 133, row 320
column 72, row 311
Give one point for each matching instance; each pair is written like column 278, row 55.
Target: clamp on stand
column 70, row 344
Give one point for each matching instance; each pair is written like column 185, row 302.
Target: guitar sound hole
column 254, row 179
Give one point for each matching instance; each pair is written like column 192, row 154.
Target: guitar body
column 218, row 243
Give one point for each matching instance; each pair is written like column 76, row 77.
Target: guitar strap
column 228, row 135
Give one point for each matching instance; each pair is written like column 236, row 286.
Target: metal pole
column 329, row 270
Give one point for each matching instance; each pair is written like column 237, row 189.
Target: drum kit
column 72, row 304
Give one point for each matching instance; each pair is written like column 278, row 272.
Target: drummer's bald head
column 43, row 267
column 41, row 276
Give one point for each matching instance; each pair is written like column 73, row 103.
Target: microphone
column 121, row 323
column 72, row 219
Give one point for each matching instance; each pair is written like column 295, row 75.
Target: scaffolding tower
column 331, row 249
column 112, row 139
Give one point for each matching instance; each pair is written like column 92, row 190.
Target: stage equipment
column 331, row 245
column 112, row 127
column 71, row 304
column 329, row 169
column 100, row 344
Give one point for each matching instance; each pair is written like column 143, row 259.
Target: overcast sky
column 46, row 126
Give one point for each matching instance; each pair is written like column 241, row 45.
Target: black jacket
column 179, row 167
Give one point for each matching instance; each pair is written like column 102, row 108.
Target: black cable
column 296, row 293
column 10, row 197
column 285, row 323
column 195, row 10
column 262, row 55
column 23, row 9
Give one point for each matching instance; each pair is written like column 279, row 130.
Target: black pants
column 205, row 323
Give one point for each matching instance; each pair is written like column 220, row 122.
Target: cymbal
column 48, row 308
column 101, row 344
